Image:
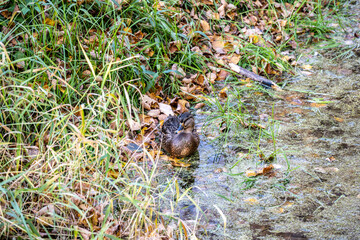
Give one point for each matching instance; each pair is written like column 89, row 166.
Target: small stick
column 255, row 77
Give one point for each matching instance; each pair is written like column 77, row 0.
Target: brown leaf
column 223, row 93
column 235, row 58
column 86, row 73
column 175, row 46
column 180, row 73
column 180, row 164
column 330, row 159
column 207, row 2
column 134, row 125
column 211, row 77
column 113, row 173
column 182, row 106
column 222, row 75
column 222, row 10
column 148, row 103
column 266, row 170
column 231, row 11
column 199, row 105
column 212, row 15
column 205, row 26
column 218, row 45
column 262, row 171
column 149, row 52
column 200, row 80
column 190, row 79
column 219, row 170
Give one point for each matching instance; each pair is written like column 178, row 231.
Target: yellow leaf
column 306, row 67
column 339, row 119
column 150, row 53
column 288, row 204
column 280, row 210
column 180, row 164
column 254, row 39
column 127, row 30
column 250, row 173
column 251, row 200
column 61, row 88
column 49, row 21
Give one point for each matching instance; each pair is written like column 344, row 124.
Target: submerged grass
column 71, row 77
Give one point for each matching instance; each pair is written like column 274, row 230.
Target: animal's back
column 170, row 125
column 184, row 144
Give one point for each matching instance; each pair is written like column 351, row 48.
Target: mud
column 314, row 191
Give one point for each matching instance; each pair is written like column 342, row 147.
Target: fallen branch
column 253, row 76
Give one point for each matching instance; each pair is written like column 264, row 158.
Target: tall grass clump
column 71, row 77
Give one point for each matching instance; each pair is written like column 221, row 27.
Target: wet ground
column 314, row 190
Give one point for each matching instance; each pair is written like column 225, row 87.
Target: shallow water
column 314, row 192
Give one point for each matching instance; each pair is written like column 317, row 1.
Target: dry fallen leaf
column 330, row 159
column 154, row 113
column 166, row 109
column 50, row 22
column 254, row 39
column 339, row 119
column 148, row 103
column 263, row 171
column 223, row 93
column 182, row 106
column 180, row 164
column 211, row 77
column 235, row 58
column 222, row 75
column 250, row 173
column 205, row 26
column 266, row 169
column 174, row 161
column 199, row 105
column 306, row 67
column 219, row 46
column 134, row 125
column 162, row 117
column 251, row 200
column 212, row 15
column 175, row 46
column 317, row 105
column 219, row 170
